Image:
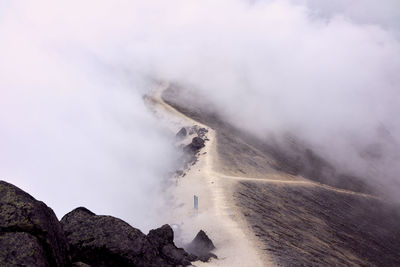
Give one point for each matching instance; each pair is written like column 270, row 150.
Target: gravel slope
column 297, row 213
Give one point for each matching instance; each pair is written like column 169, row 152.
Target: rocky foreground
column 31, row 235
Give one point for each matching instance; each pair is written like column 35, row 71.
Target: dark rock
column 163, row 239
column 107, row 241
column 196, row 144
column 21, row 249
column 161, row 236
column 30, row 232
column 195, row 129
column 182, row 133
column 31, row 235
column 201, row 246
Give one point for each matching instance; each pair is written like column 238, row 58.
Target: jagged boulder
column 30, row 234
column 163, row 239
column 107, row 241
column 196, row 144
column 161, row 236
column 201, row 246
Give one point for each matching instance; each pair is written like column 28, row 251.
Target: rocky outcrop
column 201, row 132
column 107, row 241
column 21, row 249
column 191, row 150
column 30, row 234
column 201, row 246
column 163, row 239
column 196, row 144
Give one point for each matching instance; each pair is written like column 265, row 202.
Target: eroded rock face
column 107, row 241
column 30, row 234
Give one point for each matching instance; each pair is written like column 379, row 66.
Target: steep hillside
column 301, row 209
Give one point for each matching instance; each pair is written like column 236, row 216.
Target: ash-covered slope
column 317, row 226
column 301, row 208
column 239, row 150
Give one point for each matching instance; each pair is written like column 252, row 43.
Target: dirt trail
column 218, row 215
column 293, row 183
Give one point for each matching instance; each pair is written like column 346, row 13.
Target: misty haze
column 200, row 133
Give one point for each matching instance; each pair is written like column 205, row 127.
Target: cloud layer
column 74, row 130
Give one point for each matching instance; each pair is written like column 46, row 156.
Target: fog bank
column 324, row 73
column 74, row 130
column 73, row 127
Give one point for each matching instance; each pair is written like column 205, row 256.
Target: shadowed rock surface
column 30, row 233
column 107, row 241
column 201, row 246
column 21, row 249
column 163, row 239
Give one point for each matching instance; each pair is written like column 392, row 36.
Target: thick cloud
column 74, row 130
column 374, row 12
column 327, row 73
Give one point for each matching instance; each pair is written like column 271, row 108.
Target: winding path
column 218, row 215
